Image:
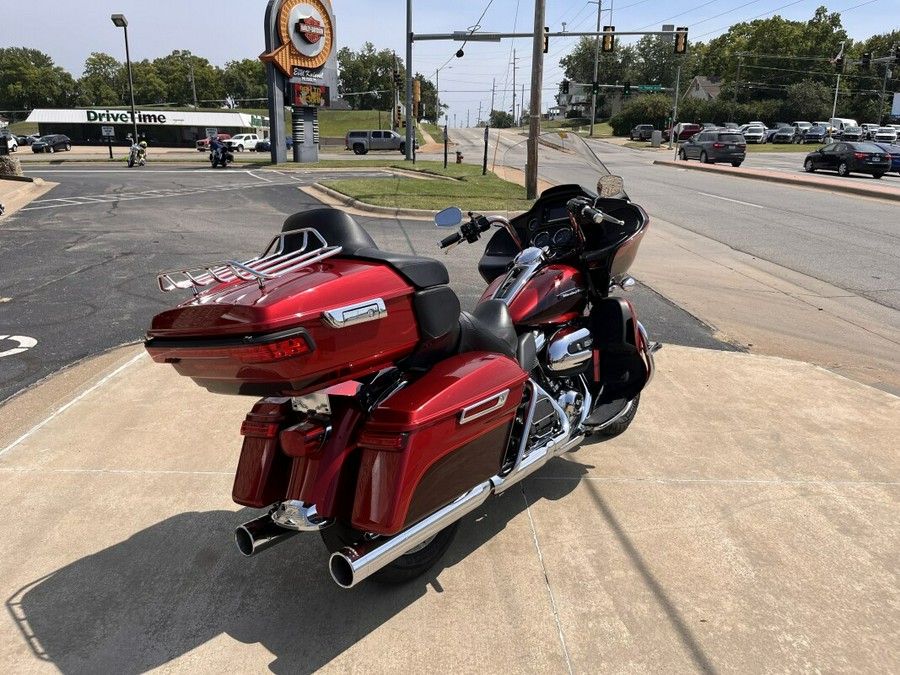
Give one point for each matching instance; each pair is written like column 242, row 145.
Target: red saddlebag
column 435, row 439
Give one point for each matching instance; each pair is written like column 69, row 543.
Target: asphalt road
column 79, row 264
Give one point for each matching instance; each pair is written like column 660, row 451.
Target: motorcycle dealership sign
column 305, row 28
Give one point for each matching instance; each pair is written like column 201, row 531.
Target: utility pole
column 514, row 88
column 410, row 118
column 534, row 113
column 887, row 74
column 596, row 66
column 837, row 86
column 736, row 86
column 675, row 105
column 478, row 120
column 493, row 88
column 467, row 119
column 522, row 98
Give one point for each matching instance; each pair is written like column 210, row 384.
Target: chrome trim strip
column 649, row 349
column 351, row 315
column 296, row 515
column 464, row 416
column 525, row 266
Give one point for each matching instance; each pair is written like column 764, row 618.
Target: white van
column 838, row 124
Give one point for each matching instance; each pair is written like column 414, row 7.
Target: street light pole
column 120, row 21
column 596, row 66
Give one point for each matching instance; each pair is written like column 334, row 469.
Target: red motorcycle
column 387, row 413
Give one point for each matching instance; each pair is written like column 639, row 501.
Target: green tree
column 102, row 80
column 649, row 109
column 176, row 71
column 500, row 119
column 29, row 79
column 809, row 100
column 366, row 77
column 578, row 64
column 149, row 88
column 245, row 81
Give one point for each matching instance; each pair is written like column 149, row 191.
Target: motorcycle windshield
column 563, row 158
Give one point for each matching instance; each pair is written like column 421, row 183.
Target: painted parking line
column 735, row 201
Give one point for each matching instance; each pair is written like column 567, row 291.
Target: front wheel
column 843, row 169
column 735, row 164
column 877, row 175
column 682, row 155
column 624, row 421
column 51, row 149
column 130, row 161
column 808, row 166
column 68, row 146
column 403, row 148
column 405, row 568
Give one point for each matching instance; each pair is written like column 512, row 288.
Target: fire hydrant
column 459, row 157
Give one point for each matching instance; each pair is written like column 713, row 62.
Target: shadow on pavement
column 176, row 585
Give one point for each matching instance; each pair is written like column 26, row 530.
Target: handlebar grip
column 454, row 238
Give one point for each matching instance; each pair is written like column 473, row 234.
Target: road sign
column 649, row 87
column 212, row 132
column 107, row 131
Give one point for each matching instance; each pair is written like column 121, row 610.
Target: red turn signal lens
column 381, row 441
column 259, row 429
column 860, row 155
column 249, row 353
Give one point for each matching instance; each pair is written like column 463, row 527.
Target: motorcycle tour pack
column 385, row 413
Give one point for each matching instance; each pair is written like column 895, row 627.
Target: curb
column 821, row 183
column 371, row 208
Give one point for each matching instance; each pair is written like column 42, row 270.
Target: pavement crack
column 537, row 546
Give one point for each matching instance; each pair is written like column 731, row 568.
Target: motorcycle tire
column 623, row 422
column 406, row 567
column 130, row 161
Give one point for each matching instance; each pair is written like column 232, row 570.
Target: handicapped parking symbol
column 25, row 343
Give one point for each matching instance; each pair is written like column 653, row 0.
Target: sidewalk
column 747, row 522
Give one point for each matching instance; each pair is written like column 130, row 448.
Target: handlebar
column 454, row 238
column 580, row 207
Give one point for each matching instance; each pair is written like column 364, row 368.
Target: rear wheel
column 359, row 149
column 51, row 149
column 704, row 158
column 877, row 175
column 808, row 166
column 68, row 146
column 415, row 563
column 843, row 169
column 403, row 148
column 736, row 164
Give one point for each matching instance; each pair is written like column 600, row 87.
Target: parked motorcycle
column 136, row 155
column 221, row 156
column 387, row 413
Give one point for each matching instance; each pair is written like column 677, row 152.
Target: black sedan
column 51, row 143
column 784, row 134
column 265, row 145
column 848, row 157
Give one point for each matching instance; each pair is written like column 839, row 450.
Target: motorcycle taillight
column 254, row 353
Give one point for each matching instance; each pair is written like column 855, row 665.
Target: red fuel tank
column 556, row 294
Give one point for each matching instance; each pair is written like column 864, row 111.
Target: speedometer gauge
column 541, row 239
column 563, row 237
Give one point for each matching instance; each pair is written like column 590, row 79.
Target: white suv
column 240, row 142
column 11, row 142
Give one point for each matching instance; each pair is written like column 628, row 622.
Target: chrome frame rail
column 272, row 263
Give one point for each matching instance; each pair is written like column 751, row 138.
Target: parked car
column 846, row 157
column 715, row 145
column 203, row 143
column 641, row 132
column 754, row 134
column 885, row 135
column 265, row 145
column 51, row 143
column 731, row 125
column 894, row 151
column 828, row 128
column 375, row 139
column 869, row 129
column 771, row 131
column 12, row 142
column 853, row 134
column 800, row 129
column 683, row 131
column 784, row 134
column 815, row 134
column 241, row 142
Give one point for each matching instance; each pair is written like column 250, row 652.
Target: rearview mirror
column 449, row 217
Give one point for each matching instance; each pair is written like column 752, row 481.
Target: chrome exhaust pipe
column 354, row 563
column 260, row 534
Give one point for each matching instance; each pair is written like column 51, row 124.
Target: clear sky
column 225, row 30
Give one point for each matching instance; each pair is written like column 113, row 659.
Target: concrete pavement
column 747, row 522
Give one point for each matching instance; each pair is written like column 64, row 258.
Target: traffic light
column 396, row 77
column 626, row 88
column 397, row 115
column 595, row 88
column 417, row 90
column 681, row 35
column 546, row 39
column 565, row 86
column 896, row 54
column 608, row 39
column 839, row 64
column 866, row 61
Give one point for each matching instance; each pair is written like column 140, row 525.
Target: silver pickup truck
column 360, row 142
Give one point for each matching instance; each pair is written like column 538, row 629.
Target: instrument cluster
column 552, row 229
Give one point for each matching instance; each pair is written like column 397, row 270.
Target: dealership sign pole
column 301, row 67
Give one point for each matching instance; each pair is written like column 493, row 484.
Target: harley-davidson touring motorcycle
column 386, row 414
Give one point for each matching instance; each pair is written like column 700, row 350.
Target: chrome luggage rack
column 272, row 263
